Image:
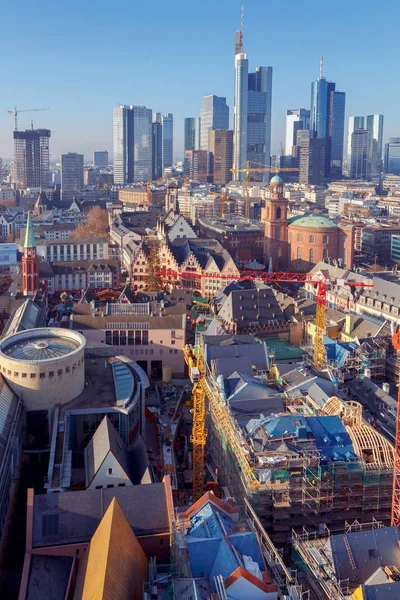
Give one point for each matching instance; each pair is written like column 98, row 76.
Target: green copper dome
column 276, row 179
column 29, row 236
column 313, row 221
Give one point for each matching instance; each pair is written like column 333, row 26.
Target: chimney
column 386, row 387
column 348, row 324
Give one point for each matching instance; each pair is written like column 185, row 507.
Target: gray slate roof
column 76, row 515
column 106, row 439
column 370, row 549
column 48, row 577
column 257, row 305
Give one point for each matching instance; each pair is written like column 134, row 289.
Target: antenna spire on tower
column 321, row 63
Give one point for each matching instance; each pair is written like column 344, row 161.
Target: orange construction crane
column 396, row 470
column 195, row 361
column 248, row 170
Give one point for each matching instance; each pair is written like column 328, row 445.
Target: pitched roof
column 106, row 439
column 114, row 566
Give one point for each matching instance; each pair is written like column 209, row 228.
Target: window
column 172, row 342
column 312, row 239
column 298, row 253
column 145, row 337
column 277, row 233
column 278, row 251
column 278, row 212
column 325, row 253
column 99, row 487
column 121, row 485
column 59, row 372
column 312, row 255
column 51, row 373
column 111, row 485
column 110, row 471
column 33, row 375
column 299, row 237
column 325, row 239
column 108, row 338
column 15, row 373
column 24, row 375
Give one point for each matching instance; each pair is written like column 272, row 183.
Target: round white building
column 44, row 366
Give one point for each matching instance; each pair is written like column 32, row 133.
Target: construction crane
column 248, row 170
column 203, row 387
column 16, row 111
column 223, row 198
column 395, row 521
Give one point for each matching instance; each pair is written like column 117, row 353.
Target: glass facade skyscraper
column 392, row 156
column 213, row 115
column 359, row 154
column 240, row 115
column 167, row 140
column 191, row 134
column 375, row 128
column 354, row 123
column 327, row 122
column 259, row 118
column 296, row 120
column 157, row 147
column 132, row 144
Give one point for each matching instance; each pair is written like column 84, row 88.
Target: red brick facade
column 309, row 245
column 275, row 217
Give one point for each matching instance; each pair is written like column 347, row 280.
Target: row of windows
column 147, row 351
column 325, row 238
column 41, row 375
column 139, row 337
column 325, row 254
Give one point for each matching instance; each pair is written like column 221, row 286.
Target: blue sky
column 81, row 58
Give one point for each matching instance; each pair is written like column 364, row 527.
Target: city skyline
column 80, row 115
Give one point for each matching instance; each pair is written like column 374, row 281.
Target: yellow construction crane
column 248, row 170
column 223, row 198
column 15, row 111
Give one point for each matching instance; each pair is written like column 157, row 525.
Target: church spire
column 29, row 235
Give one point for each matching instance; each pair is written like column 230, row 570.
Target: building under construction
column 32, row 158
column 316, row 464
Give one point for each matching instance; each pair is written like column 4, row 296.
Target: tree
column 96, row 225
column 154, row 281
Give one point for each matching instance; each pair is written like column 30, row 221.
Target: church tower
column 30, row 262
column 275, row 217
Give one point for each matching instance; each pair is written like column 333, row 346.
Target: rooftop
column 41, row 344
column 72, row 517
column 313, row 221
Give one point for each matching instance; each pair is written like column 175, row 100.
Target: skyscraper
column 213, row 115
column 31, row 157
column 71, row 175
column 311, row 152
column 167, row 140
column 375, row 128
column 327, row 121
column 392, row 156
column 191, row 134
column 360, row 145
column 354, row 123
column 196, row 164
column 221, row 155
column 157, row 169
column 296, row 119
column 132, row 144
column 259, row 118
column 100, row 159
column 252, row 112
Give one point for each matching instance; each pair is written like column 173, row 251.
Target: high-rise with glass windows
column 213, row 115
column 354, row 123
column 167, row 140
column 375, row 128
column 157, row 146
column 71, row 175
column 191, row 134
column 32, row 158
column 359, row 165
column 252, row 113
column 296, row 120
column 392, row 156
column 132, row 144
column 327, row 122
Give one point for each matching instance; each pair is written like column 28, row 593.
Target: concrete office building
column 296, row 120
column 157, row 146
column 72, row 180
column 191, row 134
column 32, row 158
column 221, row 155
column 360, row 145
column 311, row 153
column 213, row 115
column 132, row 144
column 100, row 159
column 167, row 121
column 196, row 164
column 392, row 156
column 375, row 129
